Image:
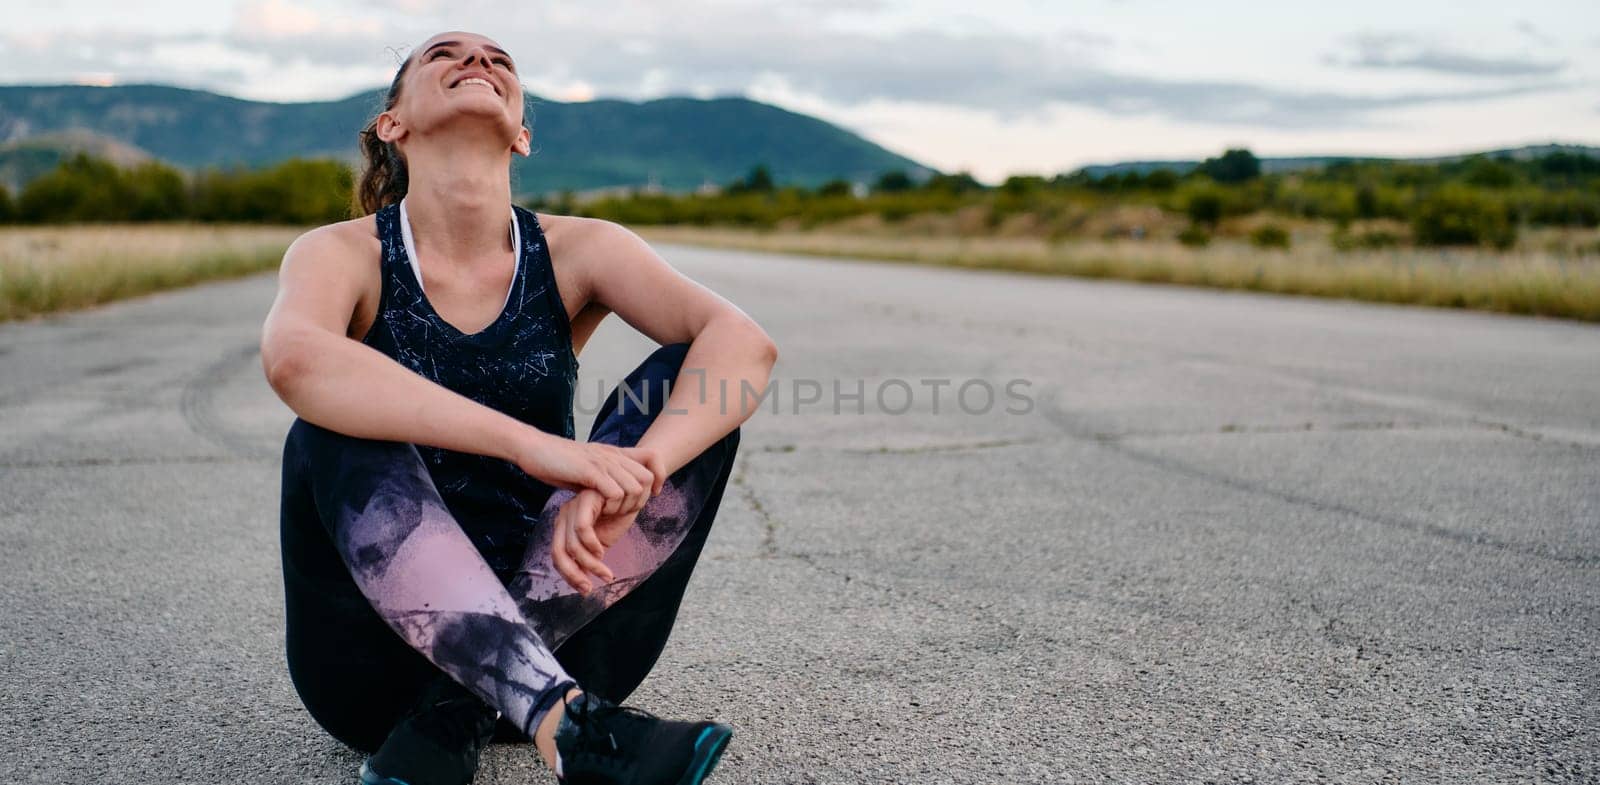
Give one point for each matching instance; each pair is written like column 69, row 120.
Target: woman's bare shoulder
column 579, row 240
column 565, row 232
column 334, row 270
column 349, row 241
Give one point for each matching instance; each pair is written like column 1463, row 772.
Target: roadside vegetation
column 1517, row 235
column 1500, row 234
column 49, row 269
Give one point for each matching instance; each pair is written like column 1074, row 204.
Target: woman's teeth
column 474, row 80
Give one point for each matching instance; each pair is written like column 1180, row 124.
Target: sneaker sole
column 707, row 751
column 370, row 777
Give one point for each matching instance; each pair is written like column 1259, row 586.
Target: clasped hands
column 611, row 484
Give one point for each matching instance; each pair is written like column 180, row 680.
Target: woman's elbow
column 765, row 348
column 284, row 359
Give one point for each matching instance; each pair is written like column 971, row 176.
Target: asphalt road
column 1232, row 538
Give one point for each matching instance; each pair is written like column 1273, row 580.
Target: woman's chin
column 476, row 114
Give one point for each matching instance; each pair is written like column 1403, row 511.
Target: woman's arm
column 728, row 352
column 341, row 384
column 727, row 349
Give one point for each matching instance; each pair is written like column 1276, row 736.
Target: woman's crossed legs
column 425, row 580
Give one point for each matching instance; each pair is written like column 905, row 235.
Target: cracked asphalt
column 1232, row 538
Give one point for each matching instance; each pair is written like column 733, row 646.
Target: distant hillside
column 678, row 143
column 23, row 160
column 1296, row 164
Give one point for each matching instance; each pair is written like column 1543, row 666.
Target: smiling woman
column 454, row 560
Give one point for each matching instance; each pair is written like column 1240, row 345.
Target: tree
column 1021, row 184
column 7, row 209
column 892, row 181
column 1489, row 173
column 759, row 180
column 835, row 187
column 1235, row 166
column 157, row 192
column 1161, row 180
column 80, row 188
column 958, row 183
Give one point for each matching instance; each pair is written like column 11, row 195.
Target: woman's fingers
column 651, row 461
column 579, row 547
column 601, row 480
column 635, row 482
column 647, row 468
column 559, row 557
column 624, row 478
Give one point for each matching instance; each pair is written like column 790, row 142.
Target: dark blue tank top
column 522, row 364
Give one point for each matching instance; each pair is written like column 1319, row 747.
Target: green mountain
column 678, row 143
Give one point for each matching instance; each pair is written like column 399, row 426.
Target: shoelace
column 591, row 724
column 457, row 718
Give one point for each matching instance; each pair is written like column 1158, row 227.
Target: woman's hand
column 581, row 535
column 624, row 477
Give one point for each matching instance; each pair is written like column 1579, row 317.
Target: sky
column 996, row 87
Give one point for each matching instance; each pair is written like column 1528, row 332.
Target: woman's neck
column 458, row 199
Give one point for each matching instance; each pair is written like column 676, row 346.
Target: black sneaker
column 437, row 742
column 605, row 744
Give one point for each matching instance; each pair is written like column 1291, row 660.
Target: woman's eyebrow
column 495, row 49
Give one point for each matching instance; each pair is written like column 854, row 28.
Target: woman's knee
column 337, row 470
column 309, row 442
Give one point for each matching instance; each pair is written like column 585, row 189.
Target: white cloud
column 1398, row 50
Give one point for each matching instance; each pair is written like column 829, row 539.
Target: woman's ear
column 388, row 128
column 524, row 143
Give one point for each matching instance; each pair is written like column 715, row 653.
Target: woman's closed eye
column 501, row 61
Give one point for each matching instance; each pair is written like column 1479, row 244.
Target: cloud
column 648, row 49
column 1528, row 29
column 1399, row 51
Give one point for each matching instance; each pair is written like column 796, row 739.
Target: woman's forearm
column 346, row 386
column 724, row 374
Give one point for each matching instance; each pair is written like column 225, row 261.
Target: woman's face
column 461, row 74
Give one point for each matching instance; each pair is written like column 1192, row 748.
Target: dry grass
column 1519, row 282
column 49, row 269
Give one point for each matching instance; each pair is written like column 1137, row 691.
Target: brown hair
column 383, row 175
column 383, row 178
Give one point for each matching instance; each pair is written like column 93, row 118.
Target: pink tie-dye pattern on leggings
column 556, row 609
column 422, row 574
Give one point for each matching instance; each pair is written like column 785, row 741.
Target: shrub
column 1161, row 180
column 835, row 187
column 1458, row 215
column 1270, row 236
column 1204, row 206
column 1195, row 236
column 1373, row 239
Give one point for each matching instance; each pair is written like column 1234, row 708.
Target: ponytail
column 383, row 175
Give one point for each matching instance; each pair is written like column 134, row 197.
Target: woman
column 455, row 563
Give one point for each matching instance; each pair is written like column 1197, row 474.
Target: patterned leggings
column 385, row 593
